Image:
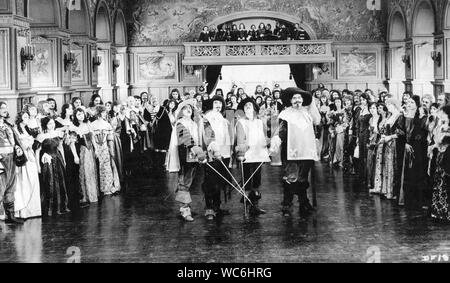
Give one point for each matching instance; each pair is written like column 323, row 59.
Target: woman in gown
column 86, row 156
column 441, row 185
column 415, row 156
column 379, row 155
column 389, row 139
column 337, row 128
column 161, row 134
column 116, row 119
column 324, row 125
column 27, row 195
column 363, row 133
column 103, row 144
column 51, row 165
column 34, row 124
column 64, row 123
column 374, row 135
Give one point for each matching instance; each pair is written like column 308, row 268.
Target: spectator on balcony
column 252, row 34
column 269, row 33
column 299, row 33
column 204, row 35
column 243, row 33
column 284, row 33
column 261, row 33
column 277, row 30
column 234, row 33
column 221, row 34
column 212, row 34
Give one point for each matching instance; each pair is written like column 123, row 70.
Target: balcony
column 257, row 52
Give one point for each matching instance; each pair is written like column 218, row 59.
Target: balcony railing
column 257, row 52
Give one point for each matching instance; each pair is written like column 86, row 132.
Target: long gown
column 379, row 161
column 390, row 169
column 441, row 186
column 88, row 169
column 363, row 132
column 116, row 124
column 53, row 186
column 28, row 193
column 415, row 170
column 109, row 177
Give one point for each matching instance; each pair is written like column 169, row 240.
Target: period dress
column 116, row 123
column 53, row 178
column 379, row 159
column 88, row 171
column 28, row 193
column 363, row 132
column 415, row 162
column 441, row 186
column 109, row 177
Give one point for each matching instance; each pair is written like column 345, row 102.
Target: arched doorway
column 79, row 22
column 396, row 36
column 423, row 28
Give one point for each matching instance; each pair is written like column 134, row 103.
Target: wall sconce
column 197, row 72
column 437, row 57
column 96, row 61
column 69, row 59
column 116, row 64
column 26, row 54
column 407, row 60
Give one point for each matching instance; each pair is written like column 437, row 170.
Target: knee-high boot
column 254, row 197
column 10, row 217
column 304, row 204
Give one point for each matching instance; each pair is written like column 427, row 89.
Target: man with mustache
column 297, row 140
column 11, row 155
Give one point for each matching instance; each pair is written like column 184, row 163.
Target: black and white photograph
column 204, row 133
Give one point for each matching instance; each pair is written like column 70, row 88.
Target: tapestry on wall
column 158, row 22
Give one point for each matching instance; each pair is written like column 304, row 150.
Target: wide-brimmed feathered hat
column 288, row 93
column 248, row 100
column 210, row 102
column 191, row 102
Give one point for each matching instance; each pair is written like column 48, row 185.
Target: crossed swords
column 239, row 189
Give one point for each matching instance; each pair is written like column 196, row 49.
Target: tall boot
column 305, row 206
column 254, row 197
column 10, row 217
column 288, row 196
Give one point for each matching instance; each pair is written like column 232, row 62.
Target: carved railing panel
column 275, row 50
column 205, row 51
column 241, row 50
column 308, row 49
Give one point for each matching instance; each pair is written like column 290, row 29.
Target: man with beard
column 217, row 137
column 11, row 155
column 297, row 140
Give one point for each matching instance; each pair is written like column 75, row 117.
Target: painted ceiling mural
column 165, row 22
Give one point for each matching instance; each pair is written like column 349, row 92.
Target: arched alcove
column 79, row 20
column 423, row 23
column 120, row 32
column 44, row 12
column 423, row 29
column 397, row 27
column 102, row 22
column 264, row 15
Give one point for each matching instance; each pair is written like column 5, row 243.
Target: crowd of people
column 264, row 32
column 56, row 161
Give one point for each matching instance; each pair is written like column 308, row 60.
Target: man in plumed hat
column 297, row 141
column 217, row 137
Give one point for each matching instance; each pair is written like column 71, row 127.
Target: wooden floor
column 141, row 225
